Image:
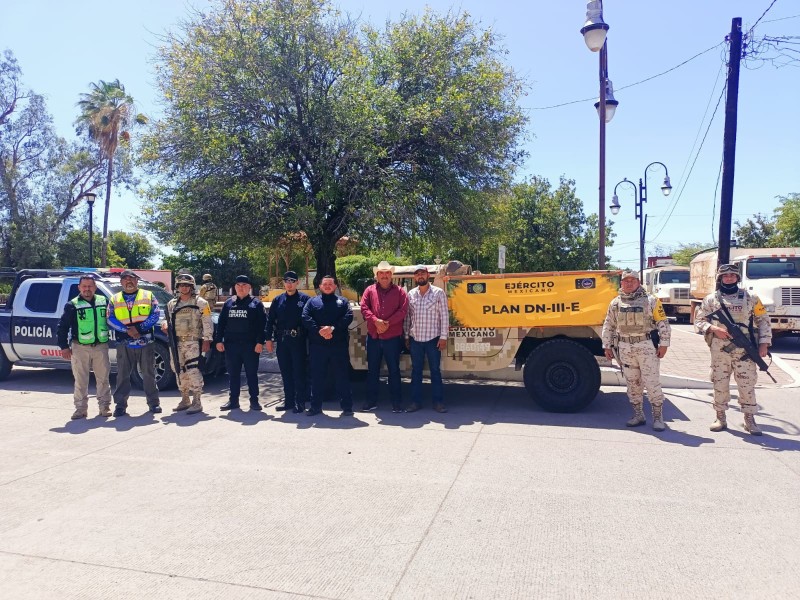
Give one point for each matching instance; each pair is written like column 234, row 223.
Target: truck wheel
column 562, row 376
column 165, row 377
column 5, row 366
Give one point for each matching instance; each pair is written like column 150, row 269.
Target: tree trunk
column 326, row 260
column 104, row 251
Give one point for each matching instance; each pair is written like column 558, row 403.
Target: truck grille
column 680, row 294
column 790, row 296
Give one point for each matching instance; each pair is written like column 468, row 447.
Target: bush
column 355, row 271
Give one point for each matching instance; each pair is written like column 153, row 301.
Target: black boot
column 230, row 405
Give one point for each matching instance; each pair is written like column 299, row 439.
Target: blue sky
column 63, row 46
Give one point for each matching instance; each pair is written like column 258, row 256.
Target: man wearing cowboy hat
column 384, row 306
column 744, row 309
column 630, row 321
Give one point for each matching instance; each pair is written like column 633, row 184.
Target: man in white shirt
column 426, row 327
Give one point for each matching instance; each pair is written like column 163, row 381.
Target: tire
column 5, row 366
column 165, row 377
column 562, row 376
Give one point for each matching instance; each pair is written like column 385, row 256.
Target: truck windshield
column 160, row 293
column 673, row 277
column 773, row 267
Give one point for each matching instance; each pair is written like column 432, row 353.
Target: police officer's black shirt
column 327, row 309
column 286, row 314
column 241, row 321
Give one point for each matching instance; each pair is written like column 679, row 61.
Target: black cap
column 290, row 276
column 243, row 279
column 128, row 273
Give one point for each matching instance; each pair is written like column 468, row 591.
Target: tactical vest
column 634, row 317
column 92, row 324
column 186, row 320
column 139, row 311
column 739, row 305
column 209, row 292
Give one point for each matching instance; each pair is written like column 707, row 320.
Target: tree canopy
column 283, row 116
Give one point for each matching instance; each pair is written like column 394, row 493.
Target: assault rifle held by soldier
column 740, row 340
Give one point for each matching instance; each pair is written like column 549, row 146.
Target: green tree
column 106, row 113
column 759, row 231
column 787, row 221
column 223, row 267
column 683, row 254
column 134, row 249
column 43, row 179
column 72, row 250
column 547, row 229
column 282, row 115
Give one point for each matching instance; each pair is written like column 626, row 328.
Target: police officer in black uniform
column 285, row 326
column 327, row 318
column 240, row 335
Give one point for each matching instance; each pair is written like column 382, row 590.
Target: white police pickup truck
column 29, row 322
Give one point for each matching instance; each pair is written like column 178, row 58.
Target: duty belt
column 632, row 339
column 187, row 338
column 291, row 332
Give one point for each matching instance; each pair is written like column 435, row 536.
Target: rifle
column 173, row 339
column 740, row 340
column 615, row 351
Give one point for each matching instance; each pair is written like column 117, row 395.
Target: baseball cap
column 243, row 279
column 128, row 273
column 290, row 276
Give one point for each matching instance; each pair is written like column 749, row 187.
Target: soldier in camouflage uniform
column 750, row 315
column 632, row 316
column 208, row 291
column 190, row 323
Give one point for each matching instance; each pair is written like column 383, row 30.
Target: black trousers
column 330, row 359
column 236, row 356
column 292, row 355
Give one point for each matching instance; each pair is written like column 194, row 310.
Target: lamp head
column 614, row 207
column 90, row 197
column 667, row 187
column 594, row 30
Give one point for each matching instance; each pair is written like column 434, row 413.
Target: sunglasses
column 290, row 280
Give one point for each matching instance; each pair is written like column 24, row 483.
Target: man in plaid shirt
column 426, row 327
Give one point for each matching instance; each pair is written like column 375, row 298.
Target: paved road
column 495, row 499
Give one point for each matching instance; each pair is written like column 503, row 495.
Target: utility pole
column 729, row 143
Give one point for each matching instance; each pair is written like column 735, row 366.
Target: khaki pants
column 190, row 380
column 86, row 358
column 745, row 372
column 641, row 367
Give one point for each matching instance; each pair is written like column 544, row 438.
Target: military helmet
column 184, row 278
column 728, row 269
column 207, row 277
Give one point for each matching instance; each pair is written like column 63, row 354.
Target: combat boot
column 658, row 418
column 750, row 425
column 105, row 411
column 638, row 417
column 78, row 414
column 184, row 403
column 196, row 406
column 721, row 423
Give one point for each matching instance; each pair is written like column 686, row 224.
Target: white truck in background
column 670, row 284
column 773, row 274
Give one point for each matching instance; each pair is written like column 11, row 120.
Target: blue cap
column 242, row 279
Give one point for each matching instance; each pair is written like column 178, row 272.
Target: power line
column 625, row 87
column 753, row 26
column 782, row 19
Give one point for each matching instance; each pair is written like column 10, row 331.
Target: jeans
column 419, row 351
column 237, row 355
column 379, row 350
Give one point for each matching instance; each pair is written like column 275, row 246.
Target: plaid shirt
column 427, row 316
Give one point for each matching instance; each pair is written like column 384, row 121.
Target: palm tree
column 107, row 111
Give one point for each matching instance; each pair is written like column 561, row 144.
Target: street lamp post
column 640, row 198
column 594, row 34
column 90, row 198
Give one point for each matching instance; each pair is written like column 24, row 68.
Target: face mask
column 730, row 288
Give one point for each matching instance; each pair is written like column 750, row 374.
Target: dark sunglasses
column 290, row 280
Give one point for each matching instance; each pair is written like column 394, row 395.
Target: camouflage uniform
column 192, row 325
column 628, row 325
column 208, row 291
column 744, row 308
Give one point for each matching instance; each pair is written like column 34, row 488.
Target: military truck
column 670, row 284
column 773, row 274
column 29, row 321
column 547, row 324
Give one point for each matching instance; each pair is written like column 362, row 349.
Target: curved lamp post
column 594, row 33
column 640, row 198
